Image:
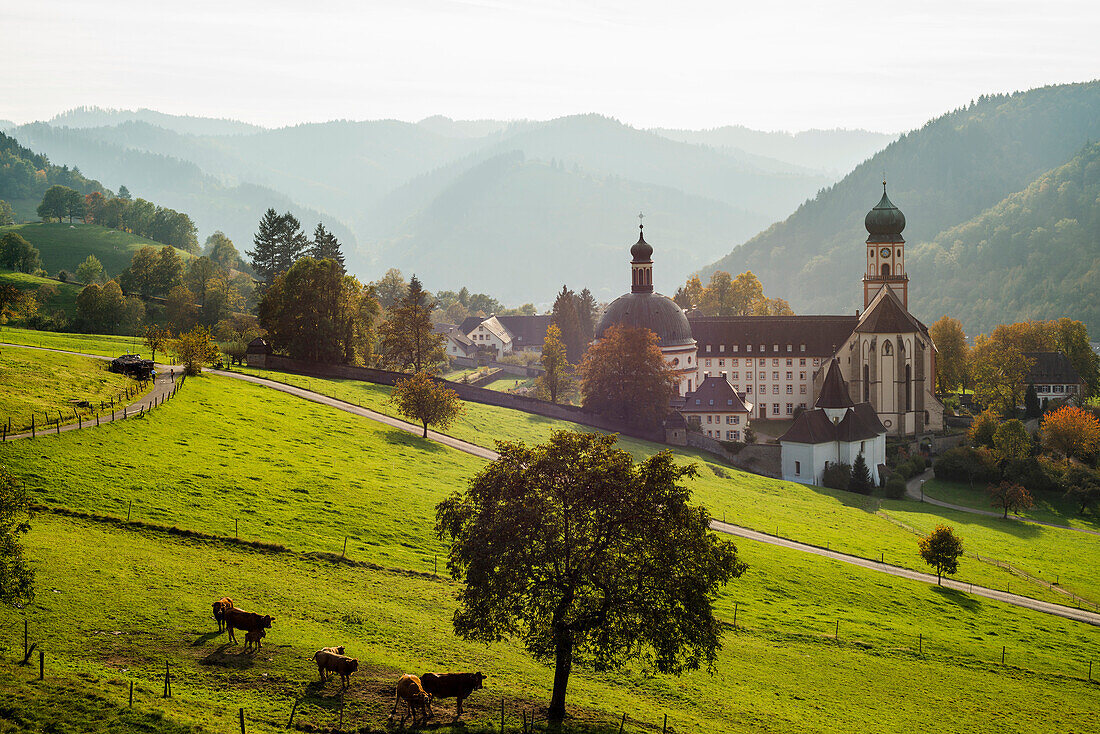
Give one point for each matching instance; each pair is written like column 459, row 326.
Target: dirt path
column 162, row 386
column 913, row 491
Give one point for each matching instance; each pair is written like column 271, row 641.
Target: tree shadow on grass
column 943, row 515
column 959, row 598
column 403, row 438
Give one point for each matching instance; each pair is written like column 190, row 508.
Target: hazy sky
column 773, row 65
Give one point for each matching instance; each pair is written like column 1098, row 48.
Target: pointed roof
column 714, row 395
column 885, row 222
column 834, row 391
column 811, row 426
column 886, row 315
column 860, row 422
column 641, row 251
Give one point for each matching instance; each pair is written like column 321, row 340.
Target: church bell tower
column 885, row 252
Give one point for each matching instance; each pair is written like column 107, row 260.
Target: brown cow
column 452, row 685
column 413, row 694
column 331, row 662
column 219, row 611
column 253, row 637
column 247, row 621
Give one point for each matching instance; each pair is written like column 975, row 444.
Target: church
column 779, row 365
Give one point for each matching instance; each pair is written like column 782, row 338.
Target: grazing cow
column 332, row 662
column 337, row 650
column 219, row 611
column 247, row 621
column 253, row 637
column 413, row 694
column 448, row 685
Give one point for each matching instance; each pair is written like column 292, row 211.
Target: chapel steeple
column 641, row 264
column 885, row 251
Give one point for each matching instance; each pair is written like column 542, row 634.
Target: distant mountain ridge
column 80, row 117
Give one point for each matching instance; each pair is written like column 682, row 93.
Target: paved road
column 913, row 491
column 162, row 385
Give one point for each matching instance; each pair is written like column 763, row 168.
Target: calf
column 219, row 611
column 448, row 685
column 253, row 637
column 413, row 694
column 247, row 621
column 333, row 662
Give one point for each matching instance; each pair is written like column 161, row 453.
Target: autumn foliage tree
column 998, row 370
column 195, row 350
column 941, row 549
column 1010, row 496
column 624, row 375
column 587, row 558
column 556, row 382
column 1071, row 432
column 951, row 354
column 408, row 337
column 427, row 401
column 157, row 338
column 725, row 295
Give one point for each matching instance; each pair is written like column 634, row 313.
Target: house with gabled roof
column 836, row 430
column 717, row 410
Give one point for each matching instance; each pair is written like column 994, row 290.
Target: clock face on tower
column 885, row 252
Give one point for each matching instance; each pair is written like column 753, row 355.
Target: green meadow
column 105, row 345
column 1052, row 507
column 63, row 300
column 64, row 246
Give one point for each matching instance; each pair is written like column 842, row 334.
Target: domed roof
column 652, row 311
column 641, row 252
column 885, row 222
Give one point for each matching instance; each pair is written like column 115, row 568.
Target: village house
column 716, row 410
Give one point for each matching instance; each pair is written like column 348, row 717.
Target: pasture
column 105, row 345
column 64, row 298
column 1052, row 507
column 64, row 246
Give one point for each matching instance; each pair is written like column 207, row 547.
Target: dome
column 652, row 311
column 885, row 222
column 641, row 251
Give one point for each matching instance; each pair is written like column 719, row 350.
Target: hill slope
column 64, row 246
column 1035, row 255
column 942, row 175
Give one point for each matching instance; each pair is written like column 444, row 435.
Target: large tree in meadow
column 54, row 203
column 427, row 401
column 556, row 382
column 408, row 340
column 1071, row 432
column 941, row 549
column 624, row 375
column 587, row 558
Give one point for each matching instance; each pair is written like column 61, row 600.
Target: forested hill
column 1035, row 255
column 942, row 175
column 25, row 176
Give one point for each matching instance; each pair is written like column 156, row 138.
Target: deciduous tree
column 690, row 294
column 90, row 271
column 588, row 558
column 54, row 203
column 427, row 401
column 951, row 354
column 941, row 549
column 157, row 338
column 222, row 251
column 408, row 340
column 983, row 429
column 18, row 254
column 1009, row 496
column 624, row 375
column 7, row 216
column 1071, row 432
column 998, row 369
column 195, row 350
column 1011, row 441
column 16, row 577
column 556, row 382
column 391, row 288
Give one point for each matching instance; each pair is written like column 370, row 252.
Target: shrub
column 967, row 464
column 63, row 276
column 1032, row 474
column 837, row 476
column 894, row 488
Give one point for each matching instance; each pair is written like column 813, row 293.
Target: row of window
column 732, row 420
column 762, row 389
column 748, row 348
column 761, row 362
column 730, row 435
column 735, row 375
column 776, row 408
column 1055, row 388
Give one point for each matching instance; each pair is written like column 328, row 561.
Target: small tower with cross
column 885, row 251
column 641, row 263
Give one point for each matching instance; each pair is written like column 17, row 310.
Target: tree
column 195, row 350
column 951, row 354
column 1032, row 408
column 427, row 401
column 587, row 557
column 998, row 369
column 90, row 271
column 1010, row 496
column 74, row 205
column 123, row 193
column 157, row 338
column 983, row 429
column 200, row 273
column 326, row 246
column 278, row 244
column 168, row 271
column 141, row 275
column 1082, row 486
column 624, row 375
column 93, row 207
column 690, row 295
column 586, row 307
column 941, row 549
column 7, row 216
column 567, row 320
column 180, row 309
column 860, row 481
column 407, row 337
column 15, row 303
column 222, row 251
column 18, row 254
column 54, row 203
column 16, row 579
column 392, row 287
column 1071, row 432
column 556, row 382
column 1011, row 441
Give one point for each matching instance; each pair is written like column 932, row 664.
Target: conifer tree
column 292, row 243
column 326, row 246
column 1032, row 409
column 566, row 318
column 861, row 477
column 407, row 337
column 265, row 251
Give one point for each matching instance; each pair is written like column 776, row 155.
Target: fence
column 10, row 428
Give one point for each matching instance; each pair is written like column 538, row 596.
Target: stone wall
column 759, row 458
column 511, row 369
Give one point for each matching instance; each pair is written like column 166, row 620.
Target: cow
column 253, row 637
column 219, row 611
column 413, row 694
column 448, row 685
column 333, row 662
column 247, row 621
column 339, row 650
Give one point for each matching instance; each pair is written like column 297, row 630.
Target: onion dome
column 885, row 222
column 641, row 252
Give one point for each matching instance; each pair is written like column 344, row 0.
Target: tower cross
column 640, row 218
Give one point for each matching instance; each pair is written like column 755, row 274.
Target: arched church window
column 886, row 348
column 866, row 383
column 908, row 388
column 886, row 270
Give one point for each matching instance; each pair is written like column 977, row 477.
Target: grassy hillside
column 35, row 381
column 303, row 476
column 942, row 175
column 63, row 300
column 64, row 246
column 106, row 345
column 1035, row 255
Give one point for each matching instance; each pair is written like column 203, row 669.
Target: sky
column 791, row 65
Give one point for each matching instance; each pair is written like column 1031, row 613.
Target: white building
column 490, row 334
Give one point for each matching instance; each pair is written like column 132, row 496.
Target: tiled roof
column 494, row 327
column 714, row 395
column 859, row 423
column 834, row 392
column 527, row 331
column 769, row 336
column 811, row 426
column 469, row 324
column 886, row 315
column 1051, row 368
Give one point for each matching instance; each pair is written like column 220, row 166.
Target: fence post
column 41, row 665
column 32, row 425
column 836, row 635
column 128, row 506
column 734, row 620
column 59, row 428
column 1002, row 655
column 26, row 631
column 167, row 679
column 344, row 552
column 502, row 715
column 622, row 723
column 664, row 727
column 920, row 642
column 242, row 718
column 131, row 694
column 292, row 712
